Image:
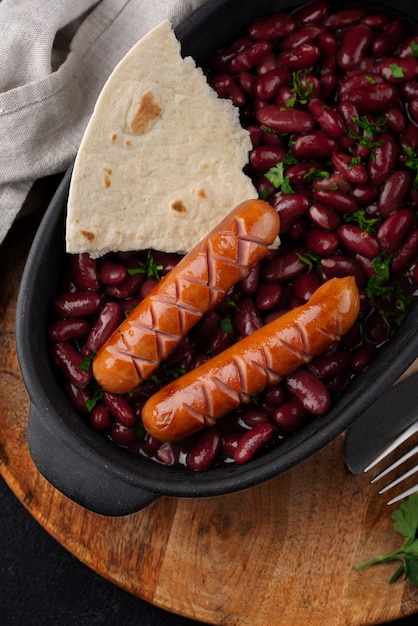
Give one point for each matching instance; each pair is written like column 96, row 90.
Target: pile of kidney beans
column 330, row 100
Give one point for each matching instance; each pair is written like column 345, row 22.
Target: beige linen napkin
column 54, row 59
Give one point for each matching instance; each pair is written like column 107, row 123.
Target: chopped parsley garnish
column 360, row 218
column 314, row 172
column 301, row 86
column 412, row 163
column 95, row 398
column 151, row 268
column 397, row 71
column 370, row 128
column 276, row 177
column 311, row 260
column 414, row 47
column 85, row 364
column 226, row 324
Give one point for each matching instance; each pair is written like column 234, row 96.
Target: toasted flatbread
column 161, row 161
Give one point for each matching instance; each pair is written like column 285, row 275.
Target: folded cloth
column 54, row 59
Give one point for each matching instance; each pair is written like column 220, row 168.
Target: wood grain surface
column 283, row 552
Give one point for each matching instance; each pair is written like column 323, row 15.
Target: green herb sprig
column 151, row 268
column 405, row 519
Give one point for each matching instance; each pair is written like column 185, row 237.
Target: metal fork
column 401, row 439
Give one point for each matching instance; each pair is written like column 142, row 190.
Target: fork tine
column 395, row 444
column 400, row 479
column 396, row 464
column 404, row 494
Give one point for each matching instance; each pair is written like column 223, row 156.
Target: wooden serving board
column 282, row 552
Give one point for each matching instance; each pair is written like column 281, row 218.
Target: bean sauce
column 330, row 100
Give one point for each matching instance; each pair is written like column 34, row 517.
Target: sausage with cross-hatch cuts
column 201, row 396
column 200, row 279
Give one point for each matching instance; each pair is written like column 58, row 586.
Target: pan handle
column 77, row 475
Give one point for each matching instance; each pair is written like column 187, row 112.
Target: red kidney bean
column 334, row 182
column 413, row 110
column 354, row 44
column 107, row 322
column 221, row 60
column 313, row 145
column 275, row 26
column 394, row 191
column 325, row 365
column 249, row 57
column 288, row 121
column 301, row 174
column 262, row 158
column 377, row 327
column 352, row 171
column 247, row 82
column 338, row 200
column 368, row 93
column 376, row 21
column 397, row 70
column 361, row 357
column 255, row 133
column 252, row 416
column 123, row 435
column 337, row 266
column 283, row 267
column 69, row 360
column 76, row 304
column 394, row 229
column 221, row 83
column 221, row 340
column 313, row 12
column 328, row 45
column 356, row 239
column 408, row 139
column 307, row 34
column 249, row 284
column 246, row 318
column 267, row 85
column 78, row 397
column 305, row 285
column 405, row 49
column 365, row 194
column 62, row 330
column 253, row 441
column 409, row 91
column 230, row 444
column 269, row 138
column 291, row 415
column 395, row 120
column 335, row 384
column 302, row 58
column 343, row 18
column 321, row 242
column 386, row 42
column 290, row 208
column 329, row 82
column 127, row 288
column 298, row 230
column 112, row 273
column 384, row 160
column 406, row 256
column 365, row 264
column 276, row 395
column 206, row 450
column 147, row 286
column 324, row 216
column 120, row 408
column 100, row 418
column 311, row 391
column 327, row 118
column 84, row 270
column 268, row 296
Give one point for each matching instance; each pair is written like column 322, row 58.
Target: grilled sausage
column 159, row 322
column 229, row 379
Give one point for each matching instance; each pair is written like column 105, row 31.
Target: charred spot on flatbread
column 88, row 235
column 106, row 177
column 148, row 111
column 179, row 206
